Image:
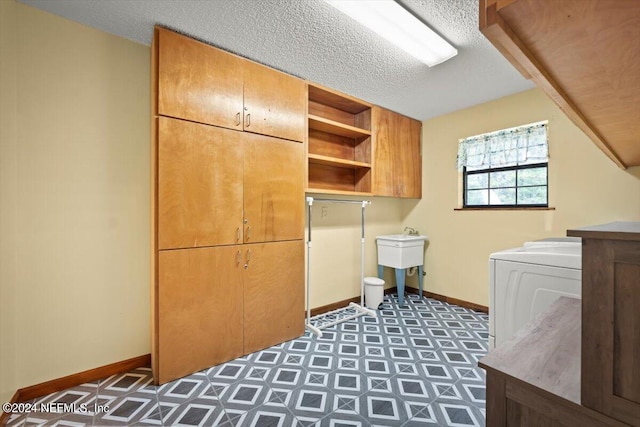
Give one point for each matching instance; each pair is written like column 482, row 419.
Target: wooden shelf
column 336, row 128
column 339, row 144
column 334, row 161
column 337, row 192
column 326, row 96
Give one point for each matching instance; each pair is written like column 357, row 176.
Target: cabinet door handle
column 238, row 257
column 248, row 232
column 238, row 234
column 238, row 119
column 246, row 265
column 248, row 119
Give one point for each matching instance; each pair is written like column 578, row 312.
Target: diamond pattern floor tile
column 414, row 365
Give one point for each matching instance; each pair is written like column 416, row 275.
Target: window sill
column 518, row 208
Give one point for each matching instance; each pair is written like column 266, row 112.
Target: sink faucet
column 412, row 231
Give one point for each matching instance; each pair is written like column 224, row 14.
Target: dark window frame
column 516, row 168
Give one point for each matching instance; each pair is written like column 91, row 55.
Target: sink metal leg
column 420, row 275
column 380, row 271
column 400, row 274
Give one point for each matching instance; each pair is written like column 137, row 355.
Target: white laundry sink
column 401, row 250
column 402, row 237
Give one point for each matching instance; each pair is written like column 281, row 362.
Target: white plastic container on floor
column 373, row 292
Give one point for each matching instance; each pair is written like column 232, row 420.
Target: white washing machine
column 525, row 281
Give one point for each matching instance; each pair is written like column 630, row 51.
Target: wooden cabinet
column 357, row 148
column 611, row 319
column 274, row 102
column 218, row 303
column 273, row 189
column 398, row 161
column 273, row 294
column 200, row 83
column 339, row 144
column 200, row 185
column 220, row 187
column 228, row 206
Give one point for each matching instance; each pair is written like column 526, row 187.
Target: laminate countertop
column 620, row 230
column 546, row 352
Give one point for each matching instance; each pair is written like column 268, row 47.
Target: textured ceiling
column 312, row 40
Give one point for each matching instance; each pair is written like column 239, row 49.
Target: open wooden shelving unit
column 339, row 151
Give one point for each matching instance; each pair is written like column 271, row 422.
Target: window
column 507, row 168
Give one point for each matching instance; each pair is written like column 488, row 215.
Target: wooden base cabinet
column 533, row 379
column 611, row 319
column 273, row 294
column 577, row 364
column 216, row 304
column 200, row 310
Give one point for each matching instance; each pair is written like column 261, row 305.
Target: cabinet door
column 273, row 189
column 407, row 158
column 199, row 185
column 611, row 315
column 199, row 310
column 198, row 82
column 398, row 162
column 274, row 103
column 273, row 294
column 383, row 177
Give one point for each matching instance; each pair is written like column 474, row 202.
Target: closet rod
column 359, row 202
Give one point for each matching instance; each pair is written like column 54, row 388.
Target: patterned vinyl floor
column 413, row 365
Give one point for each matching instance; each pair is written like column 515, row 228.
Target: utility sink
column 402, row 237
column 401, row 250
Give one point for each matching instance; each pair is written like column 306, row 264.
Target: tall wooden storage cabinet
column 228, row 171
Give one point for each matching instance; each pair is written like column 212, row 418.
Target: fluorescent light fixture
column 397, row 25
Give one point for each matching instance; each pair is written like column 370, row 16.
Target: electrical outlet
column 324, row 211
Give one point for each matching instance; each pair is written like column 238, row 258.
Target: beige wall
column 74, row 198
column 8, row 196
column 585, row 187
column 336, row 246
